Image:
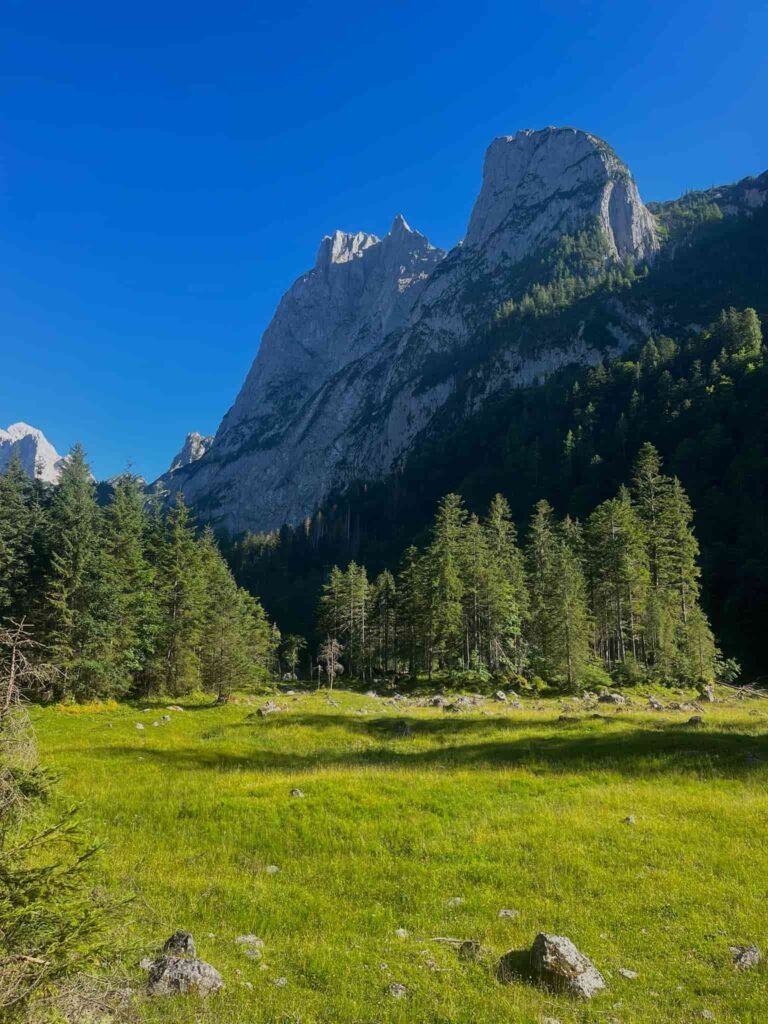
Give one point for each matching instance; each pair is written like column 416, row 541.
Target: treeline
column 127, row 598
column 616, row 597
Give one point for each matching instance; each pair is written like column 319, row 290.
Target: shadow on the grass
column 586, row 746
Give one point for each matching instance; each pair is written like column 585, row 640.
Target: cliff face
column 343, row 381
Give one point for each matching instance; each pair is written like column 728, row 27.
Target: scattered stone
column 630, row 819
column 626, row 973
column 500, row 696
column 140, row 725
column 439, row 702
column 402, row 728
column 174, row 707
column 567, row 718
column 270, row 708
column 145, row 963
column 707, row 694
column 210, row 935
column 173, row 975
column 281, row 982
column 549, row 1020
column 745, row 957
column 470, row 950
column 156, row 724
column 297, row 793
column 253, row 953
column 516, row 704
column 707, row 1015
column 654, row 704
column 397, row 991
column 272, row 869
column 371, row 693
column 180, row 944
column 402, row 933
column 247, row 984
column 557, row 962
column 508, row 915
column 611, row 698
column 695, row 720
column 455, row 901
column 249, row 940
column 165, row 718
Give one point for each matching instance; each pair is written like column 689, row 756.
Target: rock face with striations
column 370, row 347
column 38, row 456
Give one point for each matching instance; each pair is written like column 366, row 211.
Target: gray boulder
column 559, row 964
column 611, row 698
column 745, row 957
column 173, row 975
column 180, row 944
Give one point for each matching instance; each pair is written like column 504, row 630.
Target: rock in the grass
column 470, row 949
column 500, row 696
column 174, row 707
column 281, row 982
column 297, row 793
column 249, row 940
column 695, row 720
column 630, row 819
column 549, row 1020
column 508, row 914
column 439, row 701
column 707, row 1015
column 371, row 693
column 180, row 944
column 745, row 957
column 140, row 726
column 654, row 704
column 270, row 708
column 611, row 698
column 397, row 991
column 253, row 953
column 402, row 933
column 156, row 725
column 145, row 963
column 516, row 704
column 626, row 973
column 272, row 869
column 707, row 693
column 455, row 901
column 165, row 718
column 567, row 718
column 557, row 962
column 402, row 728
column 173, row 975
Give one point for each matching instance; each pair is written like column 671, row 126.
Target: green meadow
column 433, row 832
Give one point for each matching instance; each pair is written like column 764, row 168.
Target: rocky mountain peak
column 194, row 447
column 38, row 456
column 342, row 247
column 540, row 185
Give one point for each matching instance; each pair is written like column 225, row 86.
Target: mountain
column 38, row 456
column 368, row 348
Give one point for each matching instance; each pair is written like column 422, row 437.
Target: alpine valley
column 571, row 325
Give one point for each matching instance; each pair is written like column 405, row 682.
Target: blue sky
column 167, row 169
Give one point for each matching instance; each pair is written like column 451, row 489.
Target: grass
column 502, row 808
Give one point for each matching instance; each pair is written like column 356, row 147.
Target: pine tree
column 129, row 584
column 507, row 596
column 79, row 629
column 541, row 559
column 183, row 604
column 569, row 649
column 413, row 613
column 383, row 621
column 446, row 591
column 16, row 526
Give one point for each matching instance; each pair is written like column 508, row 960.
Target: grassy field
column 497, row 808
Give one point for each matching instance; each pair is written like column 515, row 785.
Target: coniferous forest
column 128, row 598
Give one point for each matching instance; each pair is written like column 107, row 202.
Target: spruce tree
column 16, row 526
column 446, row 590
column 507, row 596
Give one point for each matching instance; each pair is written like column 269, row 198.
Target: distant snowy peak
column 38, row 456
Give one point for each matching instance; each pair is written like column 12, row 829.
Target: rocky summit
column 37, row 455
column 368, row 348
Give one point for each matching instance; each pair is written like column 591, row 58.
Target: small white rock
column 626, row 973
column 402, row 933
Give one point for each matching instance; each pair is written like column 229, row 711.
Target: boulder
column 297, row 793
column 611, row 698
column 174, row 975
column 397, row 991
column 470, row 950
column 500, row 696
column 745, row 957
column 707, row 693
column 268, row 709
column 180, row 944
column 560, row 965
column 695, row 720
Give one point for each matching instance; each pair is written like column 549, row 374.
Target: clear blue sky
column 167, row 169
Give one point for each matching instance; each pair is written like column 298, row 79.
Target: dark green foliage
column 699, row 399
column 129, row 599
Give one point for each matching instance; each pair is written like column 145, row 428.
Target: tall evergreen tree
column 16, row 526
